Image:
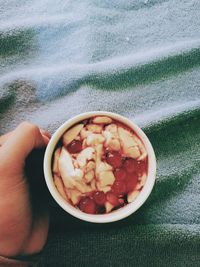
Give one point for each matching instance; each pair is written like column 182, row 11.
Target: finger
column 24, row 139
column 46, row 139
column 5, row 137
column 38, row 236
column 46, row 133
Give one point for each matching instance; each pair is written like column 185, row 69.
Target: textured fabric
column 139, row 58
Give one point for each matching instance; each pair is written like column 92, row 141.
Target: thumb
column 14, row 151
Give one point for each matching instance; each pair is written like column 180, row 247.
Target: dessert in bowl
column 99, row 166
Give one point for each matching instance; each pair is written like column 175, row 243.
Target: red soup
column 100, row 165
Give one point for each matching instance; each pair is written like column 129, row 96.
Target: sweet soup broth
column 99, row 165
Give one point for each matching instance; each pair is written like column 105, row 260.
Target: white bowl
column 117, row 214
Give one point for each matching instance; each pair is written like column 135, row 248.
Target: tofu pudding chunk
column 99, row 165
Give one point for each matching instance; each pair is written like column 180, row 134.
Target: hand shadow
column 39, row 194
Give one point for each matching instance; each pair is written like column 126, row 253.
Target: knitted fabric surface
column 138, row 58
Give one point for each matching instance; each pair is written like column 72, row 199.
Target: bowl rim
column 117, row 214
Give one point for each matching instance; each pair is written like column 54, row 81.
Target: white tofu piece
column 85, row 155
column 106, row 178
column 99, row 153
column 142, row 181
column 95, row 139
column 94, row 128
column 102, row 120
column 90, row 166
column 112, row 138
column 108, row 136
column 114, row 145
column 108, row 206
column 82, row 187
column 142, row 149
column 55, row 160
column 78, row 174
column 132, row 195
column 128, row 143
column 93, row 185
column 75, row 196
column 60, row 187
column 102, row 167
column 85, row 133
column 112, row 128
column 67, row 171
column 106, row 189
column 89, row 176
column 132, row 152
column 71, row 134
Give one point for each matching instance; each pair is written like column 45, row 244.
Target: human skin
column 21, row 231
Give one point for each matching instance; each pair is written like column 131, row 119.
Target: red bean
column 114, row 159
column 119, row 188
column 87, row 205
column 112, row 198
column 131, row 182
column 74, row 147
column 120, row 174
column 99, row 197
column 130, row 165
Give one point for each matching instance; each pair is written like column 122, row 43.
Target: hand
column 21, row 231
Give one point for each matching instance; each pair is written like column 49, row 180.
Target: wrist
column 12, row 239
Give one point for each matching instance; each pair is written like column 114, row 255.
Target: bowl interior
column 114, row 215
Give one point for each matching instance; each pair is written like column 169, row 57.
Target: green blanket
column 139, row 58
